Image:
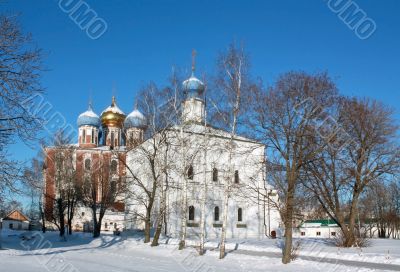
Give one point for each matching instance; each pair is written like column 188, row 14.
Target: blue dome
column 89, row 118
column 193, row 87
column 135, row 120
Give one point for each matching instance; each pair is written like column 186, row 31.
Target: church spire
column 90, row 104
column 193, row 107
column 194, row 53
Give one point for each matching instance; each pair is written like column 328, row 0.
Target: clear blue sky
column 146, row 38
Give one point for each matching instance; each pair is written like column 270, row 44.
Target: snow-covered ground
column 38, row 252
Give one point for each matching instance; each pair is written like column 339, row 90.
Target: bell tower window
column 83, row 135
column 87, row 164
column 112, row 138
column 114, row 166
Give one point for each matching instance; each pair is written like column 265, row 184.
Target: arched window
column 83, row 135
column 216, row 213
column 190, row 173
column 240, row 215
column 105, row 137
column 112, row 138
column 191, row 213
column 114, row 166
column 113, row 187
column 92, row 135
column 215, row 174
column 237, row 176
column 87, row 164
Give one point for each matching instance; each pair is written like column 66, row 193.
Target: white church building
column 195, row 163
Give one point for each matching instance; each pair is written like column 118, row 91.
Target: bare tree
column 20, row 70
column 33, row 176
column 234, row 85
column 375, row 204
column 149, row 182
column 62, row 198
column 65, row 193
column 162, row 209
column 286, row 115
column 102, row 186
column 163, row 162
column 368, row 153
column 7, row 206
column 394, row 213
column 205, row 146
column 373, row 150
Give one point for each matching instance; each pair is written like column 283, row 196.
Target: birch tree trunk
column 233, row 69
column 160, row 217
column 184, row 196
column 203, row 201
column 231, row 174
column 227, row 185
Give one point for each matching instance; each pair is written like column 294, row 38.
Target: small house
column 320, row 228
column 15, row 220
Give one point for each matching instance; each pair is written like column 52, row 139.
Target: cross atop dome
column 90, row 104
column 194, row 53
column 193, row 88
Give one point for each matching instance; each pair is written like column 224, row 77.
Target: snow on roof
column 200, row 128
column 89, row 113
column 114, row 109
column 16, row 215
column 192, row 79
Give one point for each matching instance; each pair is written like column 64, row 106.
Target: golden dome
column 112, row 116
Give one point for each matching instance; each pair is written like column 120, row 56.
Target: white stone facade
column 248, row 186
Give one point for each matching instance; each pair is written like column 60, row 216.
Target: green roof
column 326, row 222
column 323, row 222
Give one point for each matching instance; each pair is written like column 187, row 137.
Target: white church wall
column 247, row 160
